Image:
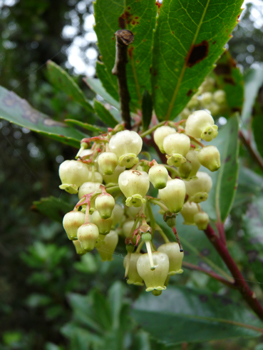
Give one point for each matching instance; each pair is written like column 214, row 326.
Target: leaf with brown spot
column 188, row 40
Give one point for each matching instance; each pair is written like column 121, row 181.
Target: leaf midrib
column 171, row 105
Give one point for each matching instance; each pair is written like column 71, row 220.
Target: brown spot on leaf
column 189, row 92
column 130, row 49
column 197, row 53
column 229, row 80
column 121, row 23
column 236, row 109
column 214, row 42
column 227, row 158
column 222, row 69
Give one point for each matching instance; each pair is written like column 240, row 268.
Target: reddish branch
column 253, row 152
column 239, row 283
column 123, row 39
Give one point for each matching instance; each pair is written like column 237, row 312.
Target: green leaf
column 139, row 17
column 86, row 126
column 253, row 81
column 189, row 315
column 222, row 194
column 102, row 312
column 96, row 86
column 18, row 111
column 54, row 208
column 249, row 185
column 104, row 114
column 63, row 81
column 229, row 78
column 253, row 242
column 115, row 300
column 188, row 40
column 147, row 108
column 108, row 80
column 257, row 126
column 83, row 311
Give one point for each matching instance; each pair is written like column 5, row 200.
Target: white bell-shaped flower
column 172, row 250
column 209, row 157
column 198, row 189
column 154, row 279
column 200, row 124
column 73, row 174
column 107, row 246
column 71, row 222
column 87, row 235
column 160, row 134
column 115, row 176
column 134, row 184
column 107, row 162
column 188, row 212
column 126, row 145
column 133, row 276
column 201, row 220
column 173, row 195
column 176, row 146
column 158, row 176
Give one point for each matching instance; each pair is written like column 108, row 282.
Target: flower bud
column 133, row 276
column 104, row 225
column 173, row 195
column 201, row 220
column 117, row 214
column 104, row 203
column 185, row 170
column 72, row 174
column 127, row 228
column 198, row 189
column 219, row 97
column 126, row 145
column 134, row 185
column 193, row 103
column 176, row 146
column 71, row 222
column 188, row 212
column 158, row 175
column 107, row 246
column 185, row 113
column 87, row 236
column 107, row 162
column 200, row 124
column 214, row 109
column 87, row 188
column 115, row 176
column 206, row 98
column 154, row 279
column 131, row 212
column 192, row 157
column 209, row 157
column 172, row 250
column 78, row 247
column 160, row 134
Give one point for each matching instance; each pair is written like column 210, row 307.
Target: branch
column 253, row 152
column 240, row 283
column 209, row 273
column 123, row 39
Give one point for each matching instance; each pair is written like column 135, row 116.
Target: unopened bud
column 160, row 135
column 107, row 162
column 172, row 250
column 173, row 195
column 158, row 175
column 104, row 225
column 108, row 245
column 209, row 157
column 87, row 236
column 105, row 203
column 71, row 222
column 201, row 220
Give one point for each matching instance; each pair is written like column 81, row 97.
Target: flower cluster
column 112, row 181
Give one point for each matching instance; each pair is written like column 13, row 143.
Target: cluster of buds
column 207, row 97
column 112, row 181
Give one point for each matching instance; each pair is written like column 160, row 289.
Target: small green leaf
column 188, row 315
column 63, row 81
column 147, row 107
column 253, row 242
column 229, row 78
column 18, row 111
column 86, row 126
column 54, row 208
column 139, row 17
column 253, row 81
column 96, row 86
column 189, row 38
column 104, row 114
column 223, row 191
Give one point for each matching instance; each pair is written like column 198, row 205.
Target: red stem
column 209, row 273
column 240, row 283
column 253, row 152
